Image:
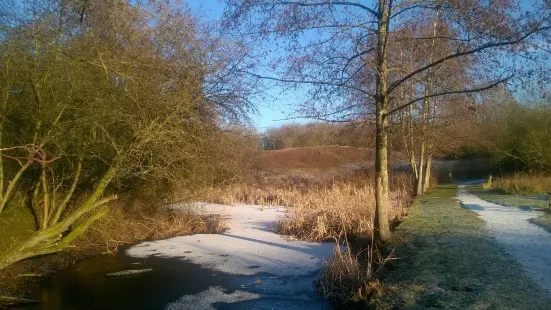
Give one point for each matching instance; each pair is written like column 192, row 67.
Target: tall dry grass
column 337, row 207
column 523, row 183
column 120, row 228
column 352, row 279
column 340, row 209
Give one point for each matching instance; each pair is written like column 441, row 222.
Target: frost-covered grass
column 446, row 259
column 511, row 200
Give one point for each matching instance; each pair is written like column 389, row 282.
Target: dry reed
column 318, row 211
column 351, row 279
column 338, row 207
column 121, row 227
column 523, row 183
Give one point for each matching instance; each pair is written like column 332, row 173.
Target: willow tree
column 339, row 52
column 102, row 92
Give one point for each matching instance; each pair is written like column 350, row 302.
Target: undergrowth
column 351, row 279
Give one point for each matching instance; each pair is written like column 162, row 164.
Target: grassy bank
column 538, row 202
column 511, row 200
column 445, row 259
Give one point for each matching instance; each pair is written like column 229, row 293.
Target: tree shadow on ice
column 304, row 249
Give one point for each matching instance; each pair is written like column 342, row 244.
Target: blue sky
column 273, row 110
column 277, row 107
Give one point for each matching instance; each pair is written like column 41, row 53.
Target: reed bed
column 336, row 210
column 523, row 183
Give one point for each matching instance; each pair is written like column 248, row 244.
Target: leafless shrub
column 352, row 279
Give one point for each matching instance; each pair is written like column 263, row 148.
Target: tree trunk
column 419, row 183
column 11, row 186
column 63, row 204
column 382, row 201
column 422, row 148
column 48, row 241
column 1, row 160
column 426, row 183
column 52, row 239
column 382, row 229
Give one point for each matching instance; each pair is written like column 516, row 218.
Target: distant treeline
column 318, row 134
column 515, row 136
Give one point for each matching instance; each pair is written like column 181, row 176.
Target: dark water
column 86, row 286
column 454, row 170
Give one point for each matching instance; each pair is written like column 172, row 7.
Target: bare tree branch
column 463, row 91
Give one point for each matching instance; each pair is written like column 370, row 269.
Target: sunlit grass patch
column 16, row 223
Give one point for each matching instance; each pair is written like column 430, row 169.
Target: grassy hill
column 311, row 159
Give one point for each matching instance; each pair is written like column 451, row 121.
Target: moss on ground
column 539, row 202
column 445, row 259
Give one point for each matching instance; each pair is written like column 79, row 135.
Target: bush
column 351, row 280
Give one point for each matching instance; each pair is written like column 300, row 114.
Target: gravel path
column 527, row 243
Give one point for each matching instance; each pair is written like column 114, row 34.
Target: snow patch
column 207, row 299
column 248, row 247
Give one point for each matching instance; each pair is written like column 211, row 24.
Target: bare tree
column 340, row 52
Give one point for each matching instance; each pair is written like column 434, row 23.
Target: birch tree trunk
column 422, row 147
column 382, row 201
column 426, row 182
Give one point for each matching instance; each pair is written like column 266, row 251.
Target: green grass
column 543, row 221
column 445, row 259
column 539, row 202
column 16, row 223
